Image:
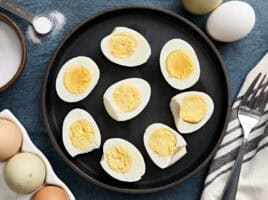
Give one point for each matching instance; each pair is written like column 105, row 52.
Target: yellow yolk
column 81, row 134
column 163, row 142
column 122, row 45
column 127, row 97
column 193, row 109
column 119, row 158
column 179, row 64
column 77, row 79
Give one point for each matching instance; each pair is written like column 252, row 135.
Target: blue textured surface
column 25, row 96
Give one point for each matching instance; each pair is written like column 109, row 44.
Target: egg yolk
column 127, row 97
column 119, row 158
column 179, row 64
column 122, row 45
column 163, row 142
column 77, row 79
column 81, row 133
column 193, row 109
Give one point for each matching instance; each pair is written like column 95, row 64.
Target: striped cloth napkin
column 253, row 184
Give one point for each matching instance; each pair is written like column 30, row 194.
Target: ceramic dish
column 28, row 146
column 157, row 26
column 19, row 68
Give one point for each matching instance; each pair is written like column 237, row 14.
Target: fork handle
column 230, row 189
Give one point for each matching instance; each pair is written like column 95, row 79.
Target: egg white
column 112, row 109
column 164, row 161
column 140, row 56
column 185, row 127
column 173, row 45
column 137, row 169
column 71, row 117
column 87, row 62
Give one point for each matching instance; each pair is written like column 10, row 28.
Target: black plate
column 158, row 26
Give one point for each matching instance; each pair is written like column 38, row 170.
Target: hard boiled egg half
column 80, row 133
column 179, row 64
column 191, row 110
column 77, row 78
column 164, row 145
column 126, row 47
column 122, row 160
column 126, row 99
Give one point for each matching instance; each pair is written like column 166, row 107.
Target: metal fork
column 250, row 111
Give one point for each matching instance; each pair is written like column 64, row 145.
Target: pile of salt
column 10, row 53
column 59, row 21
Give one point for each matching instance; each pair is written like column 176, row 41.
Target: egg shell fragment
column 66, row 95
column 140, row 56
column 112, row 109
column 137, row 169
column 164, row 161
column 231, row 21
column 173, row 45
column 185, row 127
column 71, row 117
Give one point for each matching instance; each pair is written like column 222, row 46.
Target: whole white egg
column 231, row 21
column 122, row 160
column 127, row 98
column 193, row 108
column 84, row 77
column 126, row 47
column 183, row 81
column 80, row 132
column 164, row 161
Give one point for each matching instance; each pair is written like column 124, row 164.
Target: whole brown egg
column 50, row 192
column 10, row 139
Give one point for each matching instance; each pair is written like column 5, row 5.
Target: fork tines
column 256, row 95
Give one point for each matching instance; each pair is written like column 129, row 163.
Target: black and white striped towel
column 253, row 183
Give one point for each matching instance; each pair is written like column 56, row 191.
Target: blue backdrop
column 24, row 97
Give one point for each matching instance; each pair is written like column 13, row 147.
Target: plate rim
column 88, row 177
